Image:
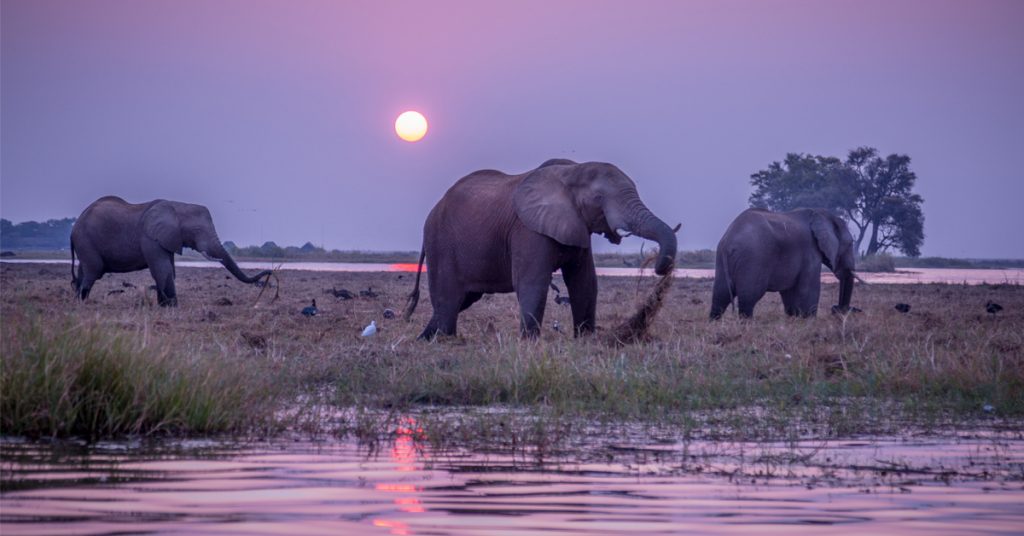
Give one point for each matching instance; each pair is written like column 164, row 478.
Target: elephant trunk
column 217, row 252
column 642, row 222
column 845, row 288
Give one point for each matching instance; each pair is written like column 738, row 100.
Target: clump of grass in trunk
column 634, row 329
column 87, row 380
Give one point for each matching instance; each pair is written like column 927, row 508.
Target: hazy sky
column 279, row 115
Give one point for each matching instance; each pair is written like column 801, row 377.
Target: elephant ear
column 160, row 223
column 825, row 236
column 545, row 205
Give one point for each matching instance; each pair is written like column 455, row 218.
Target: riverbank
column 945, row 361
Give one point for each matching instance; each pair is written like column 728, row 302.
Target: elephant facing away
column 114, row 236
column 764, row 251
column 493, row 232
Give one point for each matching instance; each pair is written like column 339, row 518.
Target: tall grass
column 87, row 380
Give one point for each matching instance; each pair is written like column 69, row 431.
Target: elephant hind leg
column 88, row 274
column 721, row 298
column 84, row 282
column 445, row 318
column 746, row 301
column 443, row 321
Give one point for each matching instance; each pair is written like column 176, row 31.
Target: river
column 964, row 482
column 1013, row 276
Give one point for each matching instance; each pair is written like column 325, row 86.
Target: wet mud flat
column 971, row 481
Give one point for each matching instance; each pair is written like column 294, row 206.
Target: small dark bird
column 992, row 307
column 555, row 288
column 311, row 310
column 556, row 326
column 389, row 314
column 342, row 294
column 368, row 293
column 903, row 307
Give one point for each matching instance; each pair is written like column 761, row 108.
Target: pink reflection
column 397, row 527
column 405, row 453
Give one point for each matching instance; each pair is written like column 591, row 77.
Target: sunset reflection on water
column 406, row 454
column 966, row 482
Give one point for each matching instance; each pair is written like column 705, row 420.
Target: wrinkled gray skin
column 114, row 236
column 782, row 252
column 493, row 232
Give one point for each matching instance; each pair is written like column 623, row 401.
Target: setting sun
column 411, row 126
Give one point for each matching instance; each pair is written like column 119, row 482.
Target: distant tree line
column 50, row 234
column 273, row 251
column 873, row 193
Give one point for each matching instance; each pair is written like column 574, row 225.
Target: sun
column 411, row 126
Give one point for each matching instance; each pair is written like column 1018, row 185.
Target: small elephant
column 493, row 232
column 114, row 236
column 782, row 252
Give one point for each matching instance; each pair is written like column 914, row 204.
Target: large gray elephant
column 493, row 232
column 114, row 236
column 764, row 251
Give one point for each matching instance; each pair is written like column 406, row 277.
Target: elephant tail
column 414, row 297
column 723, row 292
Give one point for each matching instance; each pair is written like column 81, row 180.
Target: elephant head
column 835, row 243
column 175, row 225
column 568, row 201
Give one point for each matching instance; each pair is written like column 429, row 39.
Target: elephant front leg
column 581, row 284
column 532, row 297
column 163, row 275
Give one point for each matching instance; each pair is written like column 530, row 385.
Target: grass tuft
column 87, row 380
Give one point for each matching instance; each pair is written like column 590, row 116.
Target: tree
column 885, row 204
column 875, row 194
column 803, row 181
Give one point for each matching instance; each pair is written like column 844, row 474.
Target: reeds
column 64, row 378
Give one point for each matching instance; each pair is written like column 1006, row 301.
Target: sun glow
column 411, row 126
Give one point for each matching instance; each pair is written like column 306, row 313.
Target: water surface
column 905, row 276
column 969, row 482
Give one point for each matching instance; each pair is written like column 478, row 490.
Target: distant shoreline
column 686, row 259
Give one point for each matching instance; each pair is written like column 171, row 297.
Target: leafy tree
column 803, row 181
column 874, row 193
column 886, row 204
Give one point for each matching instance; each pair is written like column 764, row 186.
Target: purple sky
column 279, row 115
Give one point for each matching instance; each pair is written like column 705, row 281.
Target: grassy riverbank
column 263, row 366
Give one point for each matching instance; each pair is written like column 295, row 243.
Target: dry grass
column 946, row 357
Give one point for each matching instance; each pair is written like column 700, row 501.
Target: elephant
column 492, row 233
column 114, row 236
column 764, row 251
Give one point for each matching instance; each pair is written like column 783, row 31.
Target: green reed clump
column 87, row 380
